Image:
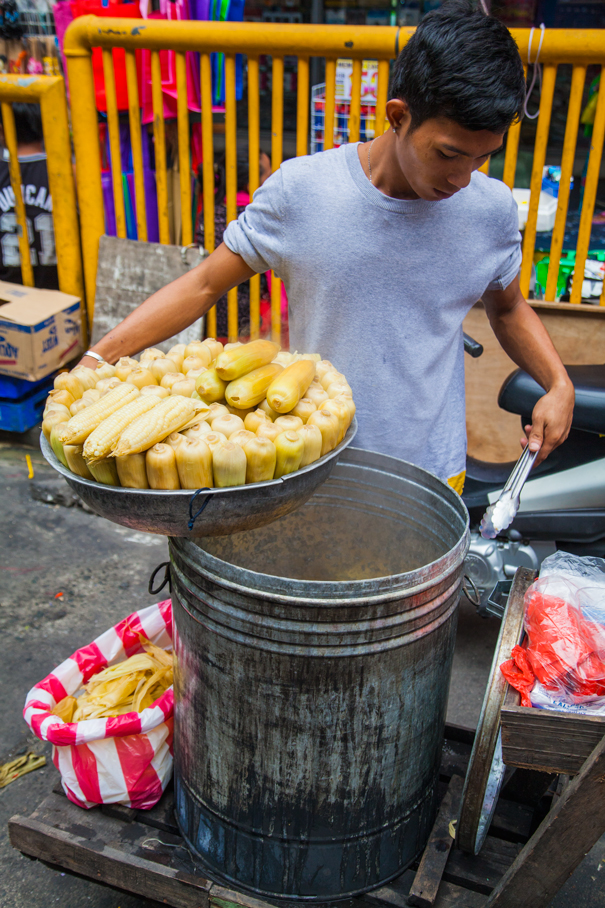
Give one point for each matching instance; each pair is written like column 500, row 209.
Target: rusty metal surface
column 229, row 511
column 313, row 660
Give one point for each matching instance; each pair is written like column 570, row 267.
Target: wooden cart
column 142, row 851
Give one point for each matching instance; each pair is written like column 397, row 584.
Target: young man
column 385, row 246
column 38, row 204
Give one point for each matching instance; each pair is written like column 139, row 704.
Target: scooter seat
column 519, row 394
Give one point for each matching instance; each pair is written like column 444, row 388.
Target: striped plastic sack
column 122, row 760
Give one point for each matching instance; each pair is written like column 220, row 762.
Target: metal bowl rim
column 73, row 478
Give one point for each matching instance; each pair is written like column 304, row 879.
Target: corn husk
column 232, row 345
column 341, row 411
column 217, row 409
column 227, row 424
column 228, row 465
column 238, row 361
column 311, row 357
column 61, row 396
column 329, row 426
column 151, row 353
column 175, row 439
column 288, row 423
column 255, row 419
column 124, row 367
column 75, row 461
column 170, row 379
column 92, row 394
column 161, row 367
column 56, row 444
column 141, row 377
column 194, row 362
column 289, row 447
column 108, row 384
column 337, row 388
column 349, row 403
column 329, row 378
column 241, row 437
column 236, row 411
column 316, row 394
column 132, row 472
column 323, row 366
column 104, row 370
column 268, row 430
column 65, row 709
column 286, row 390
column 87, row 377
column 184, row 388
column 214, row 346
column 105, row 471
column 200, row 351
column 194, row 464
column 69, row 384
column 261, row 457
column 268, row 410
column 214, row 439
column 313, row 442
column 249, row 390
column 210, row 386
column 198, row 431
column 284, row 358
column 78, row 405
column 52, row 418
column 155, row 391
column 160, row 462
column 194, row 374
column 177, row 350
column 303, row 409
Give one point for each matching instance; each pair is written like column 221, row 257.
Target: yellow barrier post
column 10, row 136
column 49, row 93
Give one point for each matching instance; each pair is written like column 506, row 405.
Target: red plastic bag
column 122, row 760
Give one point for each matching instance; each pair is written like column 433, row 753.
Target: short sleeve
column 257, row 234
column 508, row 249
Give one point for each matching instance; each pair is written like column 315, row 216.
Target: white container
column 547, row 209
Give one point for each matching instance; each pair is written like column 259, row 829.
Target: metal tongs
column 500, row 515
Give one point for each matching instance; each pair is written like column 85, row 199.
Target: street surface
column 65, row 577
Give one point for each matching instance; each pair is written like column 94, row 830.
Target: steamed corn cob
column 132, row 472
column 250, row 389
column 75, row 461
column 228, row 465
column 261, row 456
column 194, row 464
column 79, row 427
column 287, row 389
column 160, row 461
column 237, row 361
column 105, row 471
column 329, row 426
column 99, row 443
column 210, row 386
column 289, row 447
column 169, row 415
column 313, row 442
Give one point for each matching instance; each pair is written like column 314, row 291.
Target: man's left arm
column 523, row 336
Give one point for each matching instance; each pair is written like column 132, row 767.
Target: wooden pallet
column 143, row 853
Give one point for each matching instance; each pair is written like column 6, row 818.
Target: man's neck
column 386, row 174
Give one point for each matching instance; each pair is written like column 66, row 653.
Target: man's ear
column 398, row 114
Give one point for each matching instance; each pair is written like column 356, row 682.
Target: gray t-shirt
column 380, row 287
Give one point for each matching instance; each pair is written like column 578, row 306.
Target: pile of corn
column 199, row 416
column 128, row 686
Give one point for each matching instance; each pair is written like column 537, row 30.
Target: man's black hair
column 463, row 65
column 28, row 123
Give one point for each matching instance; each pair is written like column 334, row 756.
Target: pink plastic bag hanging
column 122, row 760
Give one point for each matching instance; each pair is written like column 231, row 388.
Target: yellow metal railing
column 49, row 93
column 578, row 48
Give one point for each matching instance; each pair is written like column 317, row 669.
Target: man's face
column 439, row 156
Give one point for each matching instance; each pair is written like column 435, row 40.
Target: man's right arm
column 174, row 307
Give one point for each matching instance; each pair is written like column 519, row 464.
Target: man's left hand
column 551, row 421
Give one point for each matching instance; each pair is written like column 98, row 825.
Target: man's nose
column 460, row 178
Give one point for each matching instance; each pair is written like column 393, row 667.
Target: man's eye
column 447, row 157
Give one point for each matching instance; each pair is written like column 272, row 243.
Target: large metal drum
column 313, row 661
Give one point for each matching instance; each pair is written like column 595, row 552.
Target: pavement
column 66, row 575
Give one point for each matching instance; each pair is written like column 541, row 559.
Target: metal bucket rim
column 250, row 582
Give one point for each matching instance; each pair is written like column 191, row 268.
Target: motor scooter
column 563, row 500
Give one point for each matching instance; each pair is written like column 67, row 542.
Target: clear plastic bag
column 565, row 647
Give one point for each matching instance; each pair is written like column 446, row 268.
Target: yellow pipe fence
column 579, row 48
column 49, row 93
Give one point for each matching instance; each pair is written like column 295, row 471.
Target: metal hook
column 167, row 579
column 193, row 517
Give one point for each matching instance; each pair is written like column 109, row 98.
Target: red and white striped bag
column 121, row 760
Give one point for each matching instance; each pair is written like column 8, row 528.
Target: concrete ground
column 67, row 575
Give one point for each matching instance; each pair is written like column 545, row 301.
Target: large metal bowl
column 227, row 510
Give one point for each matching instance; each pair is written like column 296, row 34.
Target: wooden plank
column 511, row 821
column 481, row 873
column 554, row 851
column 547, row 740
column 98, row 861
column 428, row 876
column 395, row 895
